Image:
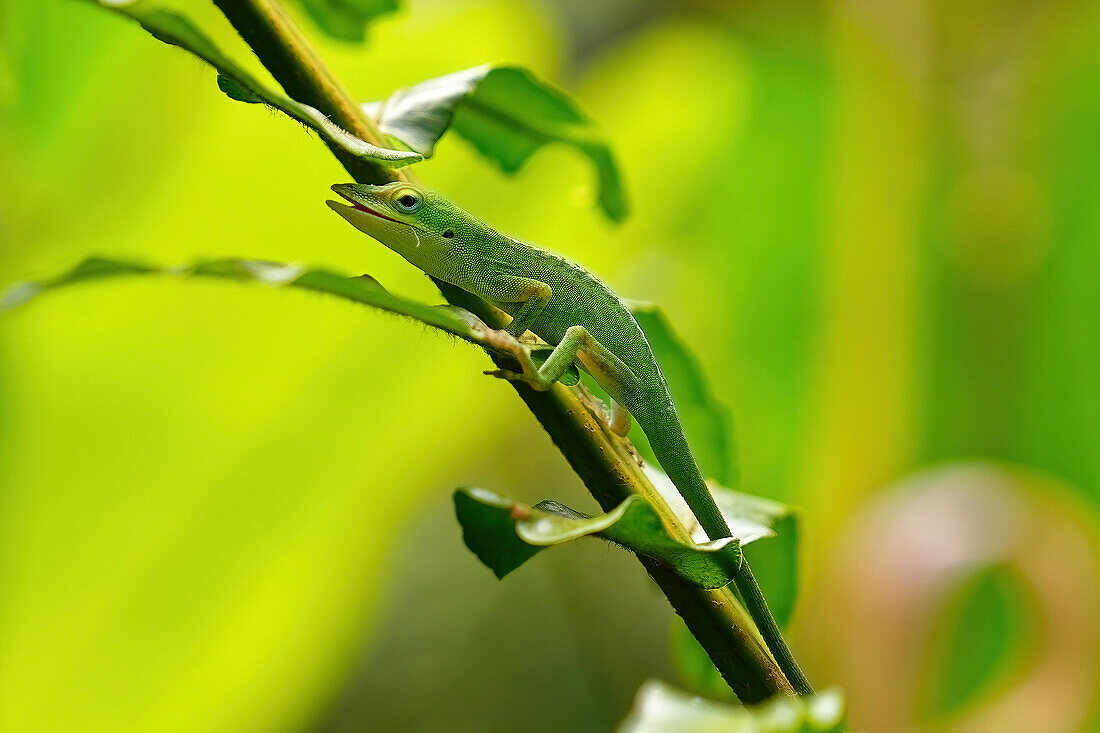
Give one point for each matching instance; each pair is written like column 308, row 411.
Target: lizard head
column 417, row 223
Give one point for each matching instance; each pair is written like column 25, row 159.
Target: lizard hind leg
column 577, row 338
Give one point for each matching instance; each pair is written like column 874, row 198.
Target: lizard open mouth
column 357, row 205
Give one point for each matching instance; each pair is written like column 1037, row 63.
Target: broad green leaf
column 661, row 708
column 177, row 30
column 979, row 639
column 504, row 534
column 768, row 531
column 707, row 422
column 506, row 113
column 346, row 20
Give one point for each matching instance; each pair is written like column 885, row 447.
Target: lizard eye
column 408, row 202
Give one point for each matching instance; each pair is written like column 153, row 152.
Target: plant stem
column 603, row 462
column 288, row 56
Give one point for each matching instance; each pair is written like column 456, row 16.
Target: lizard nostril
column 447, row 234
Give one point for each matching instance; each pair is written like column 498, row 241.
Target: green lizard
column 565, row 306
column 557, row 300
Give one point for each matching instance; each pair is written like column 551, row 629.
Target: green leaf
column 979, row 639
column 504, row 534
column 177, row 30
column 507, row 114
column 90, row 269
column 709, row 429
column 707, row 422
column 346, row 20
column 661, row 708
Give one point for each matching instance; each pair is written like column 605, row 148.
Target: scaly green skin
column 566, row 306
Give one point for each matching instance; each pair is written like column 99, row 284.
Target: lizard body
column 554, row 298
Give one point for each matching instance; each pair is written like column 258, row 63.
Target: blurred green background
column 227, row 508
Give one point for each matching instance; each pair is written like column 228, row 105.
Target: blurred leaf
column 92, row 268
column 506, row 113
column 706, row 421
column 980, row 636
column 177, row 30
column 346, row 20
column 696, row 670
column 504, row 534
column 661, row 708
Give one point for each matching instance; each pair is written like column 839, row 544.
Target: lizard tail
column 670, row 446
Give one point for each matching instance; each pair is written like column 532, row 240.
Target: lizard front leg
column 532, row 295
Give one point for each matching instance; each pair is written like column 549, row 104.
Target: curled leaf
column 768, row 531
column 507, row 114
column 177, row 30
column 504, row 534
